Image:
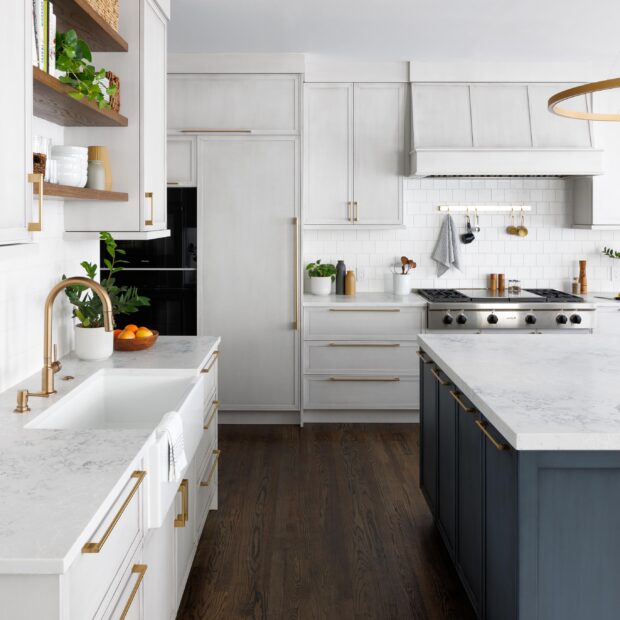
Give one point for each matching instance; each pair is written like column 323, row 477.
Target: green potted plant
column 321, row 277
column 92, row 342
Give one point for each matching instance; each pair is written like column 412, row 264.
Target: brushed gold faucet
column 51, row 365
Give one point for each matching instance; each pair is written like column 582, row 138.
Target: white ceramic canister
column 402, row 284
column 96, row 175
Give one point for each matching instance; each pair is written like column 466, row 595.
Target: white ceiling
column 481, row 30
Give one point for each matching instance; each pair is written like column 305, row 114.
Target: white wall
column 548, row 257
column 27, row 272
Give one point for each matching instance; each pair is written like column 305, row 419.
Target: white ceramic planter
column 402, row 284
column 93, row 343
column 321, row 286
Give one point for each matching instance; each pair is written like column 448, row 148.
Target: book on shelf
column 44, row 36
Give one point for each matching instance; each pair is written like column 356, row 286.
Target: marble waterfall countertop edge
column 364, row 300
column 53, row 483
column 542, row 392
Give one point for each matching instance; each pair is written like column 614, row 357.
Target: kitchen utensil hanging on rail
column 522, row 230
column 468, row 236
column 512, row 229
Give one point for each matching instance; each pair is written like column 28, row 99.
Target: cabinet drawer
column 127, row 600
column 108, row 546
column 351, row 357
column 210, row 371
column 209, row 436
column 363, row 323
column 339, row 392
column 206, row 487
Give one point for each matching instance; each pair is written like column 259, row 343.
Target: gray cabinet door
column 428, row 434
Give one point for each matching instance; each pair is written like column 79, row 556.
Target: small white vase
column 93, row 343
column 321, row 286
column 402, row 283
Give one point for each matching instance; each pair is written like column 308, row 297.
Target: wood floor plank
column 325, row 522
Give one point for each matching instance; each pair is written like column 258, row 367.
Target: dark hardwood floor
column 322, row 522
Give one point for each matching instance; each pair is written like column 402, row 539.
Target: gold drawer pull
column 211, row 362
column 374, row 345
column 136, row 569
column 216, row 406
column 95, row 547
column 183, row 517
column 379, row 379
column 425, row 359
column 364, row 309
column 216, row 131
column 464, row 407
column 38, row 179
column 355, row 218
column 149, row 196
column 205, row 483
column 438, row 377
column 483, row 427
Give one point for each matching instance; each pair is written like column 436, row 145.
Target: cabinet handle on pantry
column 296, row 278
column 216, row 406
column 205, row 483
column 38, row 179
column 464, row 407
column 95, row 547
column 483, row 427
column 136, row 569
column 211, row 362
column 423, row 357
column 438, row 377
column 149, row 196
column 183, row 516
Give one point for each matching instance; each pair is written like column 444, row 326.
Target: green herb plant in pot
column 92, row 342
column 321, row 277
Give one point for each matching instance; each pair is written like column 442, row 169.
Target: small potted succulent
column 321, row 277
column 402, row 276
column 92, row 342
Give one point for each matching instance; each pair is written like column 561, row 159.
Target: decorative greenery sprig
column 125, row 299
column 611, row 253
column 318, row 270
column 73, row 57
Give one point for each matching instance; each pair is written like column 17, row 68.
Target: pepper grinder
column 583, row 278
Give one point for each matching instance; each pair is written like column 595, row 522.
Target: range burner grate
column 442, row 294
column 551, row 294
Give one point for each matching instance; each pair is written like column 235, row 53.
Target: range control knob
column 493, row 319
column 562, row 319
column 461, row 319
column 530, row 319
column 448, row 319
column 575, row 319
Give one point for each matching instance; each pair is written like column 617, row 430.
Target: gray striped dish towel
column 447, row 253
column 171, row 426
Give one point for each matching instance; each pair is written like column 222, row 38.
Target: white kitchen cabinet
column 200, row 103
column 608, row 320
column 16, row 106
column 137, row 152
column 185, row 533
column 181, row 161
column 248, row 199
column 355, row 143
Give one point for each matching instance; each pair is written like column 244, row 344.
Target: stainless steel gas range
column 532, row 310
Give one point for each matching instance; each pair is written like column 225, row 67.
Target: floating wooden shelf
column 80, row 193
column 80, row 16
column 52, row 102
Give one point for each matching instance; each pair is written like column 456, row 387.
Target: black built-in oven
column 165, row 270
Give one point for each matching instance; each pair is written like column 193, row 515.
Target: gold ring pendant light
column 586, row 89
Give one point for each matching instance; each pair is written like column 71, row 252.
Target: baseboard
column 258, row 417
column 410, row 416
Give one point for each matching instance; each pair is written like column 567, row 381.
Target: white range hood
column 498, row 130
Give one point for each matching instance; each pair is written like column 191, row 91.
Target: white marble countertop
column 364, row 300
column 53, row 482
column 542, row 392
column 603, row 299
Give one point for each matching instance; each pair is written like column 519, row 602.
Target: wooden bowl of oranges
column 134, row 338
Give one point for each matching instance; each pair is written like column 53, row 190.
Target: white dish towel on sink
column 171, row 426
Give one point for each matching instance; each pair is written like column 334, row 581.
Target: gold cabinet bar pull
column 216, row 131
column 149, row 196
column 425, row 359
column 95, row 547
column 211, row 362
column 136, row 569
column 438, row 377
column 38, row 179
column 296, row 278
column 350, row 211
column 205, row 483
column 216, row 406
column 173, row 183
column 355, row 218
column 369, row 379
column 182, row 518
column 483, row 427
column 364, row 309
column 462, row 405
column 372, row 345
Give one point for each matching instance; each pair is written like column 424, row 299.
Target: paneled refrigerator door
column 248, row 200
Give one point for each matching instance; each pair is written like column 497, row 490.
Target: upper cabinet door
column 235, row 102
column 181, row 161
column 379, row 153
column 154, row 27
column 328, row 153
column 500, row 116
column 16, row 106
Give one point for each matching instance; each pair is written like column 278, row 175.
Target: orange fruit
column 117, row 332
column 126, row 335
column 144, row 332
column 131, row 328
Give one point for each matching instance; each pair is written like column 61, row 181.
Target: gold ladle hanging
column 512, row 229
column 522, row 230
